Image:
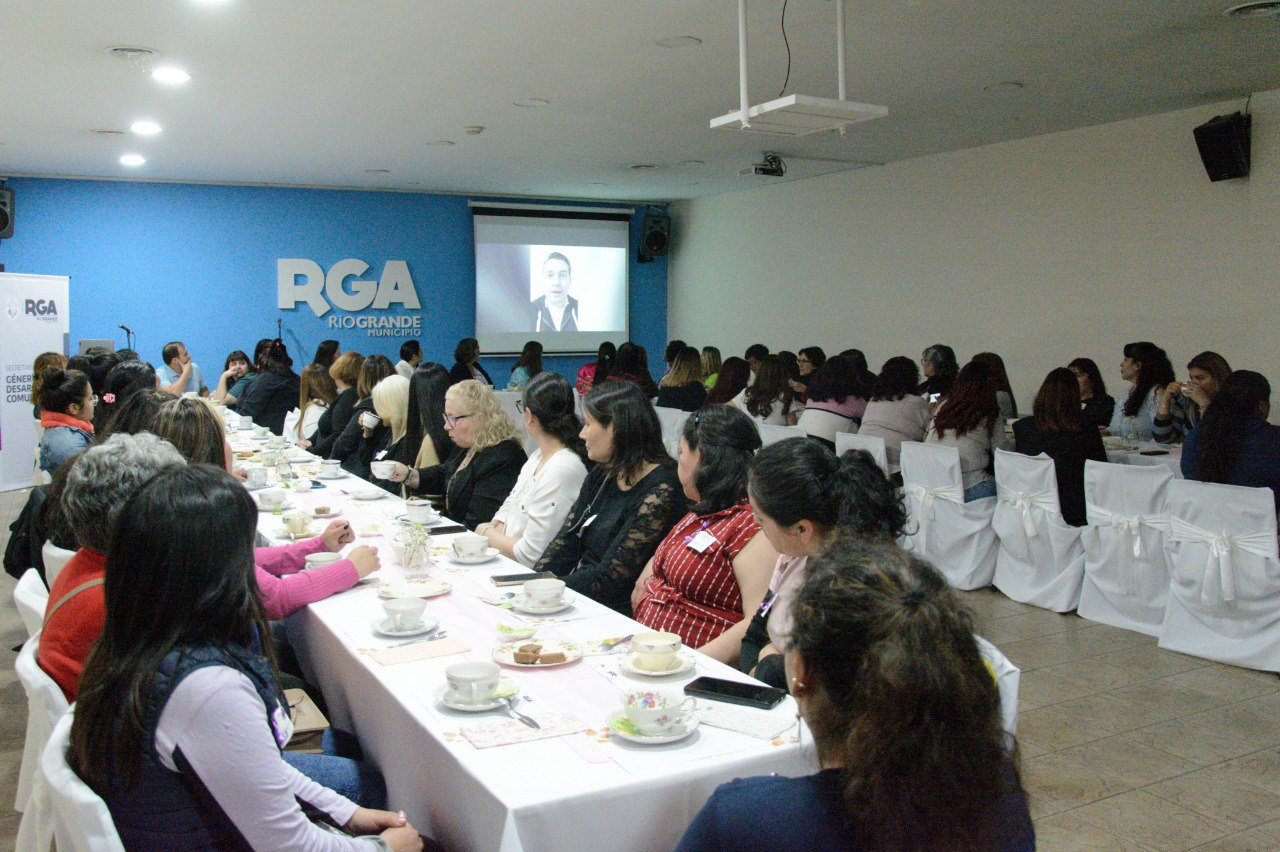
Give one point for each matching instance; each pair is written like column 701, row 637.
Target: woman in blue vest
column 180, row 722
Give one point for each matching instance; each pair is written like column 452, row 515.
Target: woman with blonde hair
column 710, row 365
column 477, row 478
column 391, row 404
column 682, row 386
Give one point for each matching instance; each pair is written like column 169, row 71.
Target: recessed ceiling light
column 169, row 74
column 132, row 160
column 1254, row 9
column 107, row 132
column 679, row 41
column 145, row 128
column 642, row 167
column 377, row 171
column 1005, row 86
column 439, row 143
column 531, row 102
column 131, row 53
column 691, row 163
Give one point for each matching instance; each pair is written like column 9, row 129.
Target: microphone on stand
column 279, row 334
column 126, row 328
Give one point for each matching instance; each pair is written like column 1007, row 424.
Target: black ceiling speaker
column 1224, row 146
column 6, row 212
column 655, row 235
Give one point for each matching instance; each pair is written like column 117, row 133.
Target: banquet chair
column 771, row 434
column 45, row 706
column 54, row 559
column 1041, row 559
column 955, row 536
column 1224, row 589
column 818, row 423
column 1126, row 572
column 1007, row 677
column 32, row 598
column 672, row 421
column 873, row 444
column 63, row 810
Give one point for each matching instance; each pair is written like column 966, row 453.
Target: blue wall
column 198, row 263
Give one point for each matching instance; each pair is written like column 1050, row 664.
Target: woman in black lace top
column 628, row 503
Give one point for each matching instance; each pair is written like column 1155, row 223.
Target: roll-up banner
column 36, row 319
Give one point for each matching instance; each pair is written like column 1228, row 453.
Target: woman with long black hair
column 1234, row 443
column 1146, row 367
column 596, row 372
column 528, row 365
column 969, row 420
column 426, row 432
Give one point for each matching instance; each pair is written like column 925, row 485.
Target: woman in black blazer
column 477, row 478
column 1057, row 429
column 467, row 358
column 345, row 373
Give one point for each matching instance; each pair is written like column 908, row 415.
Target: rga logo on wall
column 301, row 280
column 44, row 310
column 13, row 307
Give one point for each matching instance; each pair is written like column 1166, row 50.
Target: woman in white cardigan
column 550, row 480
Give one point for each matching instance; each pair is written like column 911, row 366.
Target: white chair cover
column 770, row 434
column 824, row 424
column 290, row 430
column 1007, row 678
column 955, row 536
column 1041, row 559
column 45, row 706
column 54, row 558
column 1224, row 592
column 873, row 444
column 32, row 599
column 672, row 420
column 1126, row 572
column 63, row 810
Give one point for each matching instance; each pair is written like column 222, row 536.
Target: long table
column 586, row 790
column 1168, row 454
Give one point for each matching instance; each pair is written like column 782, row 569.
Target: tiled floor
column 1124, row 746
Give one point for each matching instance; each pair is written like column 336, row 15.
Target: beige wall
column 1041, row 249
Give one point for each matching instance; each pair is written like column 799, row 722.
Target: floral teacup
column 656, row 714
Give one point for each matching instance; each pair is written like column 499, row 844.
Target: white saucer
column 286, row 506
column 382, row 627
column 339, row 475
column 252, row 488
column 309, row 532
column 690, row 725
column 428, row 587
column 517, row 603
column 510, row 689
column 685, row 660
column 368, row 495
column 489, row 554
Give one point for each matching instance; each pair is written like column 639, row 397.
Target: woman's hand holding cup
column 400, row 474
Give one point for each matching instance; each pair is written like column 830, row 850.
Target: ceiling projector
column 770, row 165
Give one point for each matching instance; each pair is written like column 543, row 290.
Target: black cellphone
column 1154, row 453
column 453, row 528
column 522, row 577
column 735, row 692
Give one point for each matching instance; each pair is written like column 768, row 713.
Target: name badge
column 378, row 455
column 701, row 541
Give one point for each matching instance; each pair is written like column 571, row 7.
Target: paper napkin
column 510, row 731
column 753, row 723
column 419, row 651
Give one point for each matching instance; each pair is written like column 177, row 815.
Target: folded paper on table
column 753, row 723
column 511, row 731
column 419, row 651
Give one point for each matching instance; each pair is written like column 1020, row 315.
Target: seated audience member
column 669, row 356
column 410, row 357
column 180, row 719
column 768, row 399
column 97, row 362
column 124, row 380
column 808, row 361
column 1096, row 407
column 345, row 373
column 628, row 502
column 44, row 361
column 895, row 411
column 1004, row 396
column 373, row 369
column 969, row 420
column 235, row 368
column 940, row 369
column 550, row 480
column 790, row 365
column 426, row 429
column 732, row 380
column 273, row 393
column 866, row 378
column 67, row 402
column 477, row 477
column 905, row 715
column 1055, row 428
column 326, row 353
column 597, row 371
column 179, row 374
column 710, row 366
column 836, row 403
column 316, row 392
column 1147, row 369
column 466, row 356
column 712, row 570
column 241, row 387
column 1234, row 443
column 134, row 414
column 127, row 354
column 1182, row 404
column 197, row 434
column 803, row 495
column 528, row 365
column 391, row 443
column 632, row 366
column 753, row 356
column 682, row 386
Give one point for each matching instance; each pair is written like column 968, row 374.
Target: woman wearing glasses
column 482, row 471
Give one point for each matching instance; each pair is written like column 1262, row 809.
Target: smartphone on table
column 520, row 577
column 735, row 692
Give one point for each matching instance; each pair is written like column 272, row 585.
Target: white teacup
column 544, row 593
column 472, row 683
column 655, row 652
column 420, row 511
column 272, row 498
column 276, row 442
column 296, row 522
column 382, row 469
column 330, row 467
column 257, row 477
column 261, row 431
column 246, row 422
column 319, row 560
column 655, row 713
column 405, row 613
column 369, row 420
column 470, row 545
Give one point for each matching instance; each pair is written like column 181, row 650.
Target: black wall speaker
column 6, row 212
column 1224, row 146
column 655, row 235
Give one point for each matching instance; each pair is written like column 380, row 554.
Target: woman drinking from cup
column 480, row 473
column 627, row 504
column 384, row 447
column 374, row 369
column 712, row 570
column 1182, row 404
column 550, row 480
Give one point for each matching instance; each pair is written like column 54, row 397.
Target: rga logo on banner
column 44, row 310
column 394, row 286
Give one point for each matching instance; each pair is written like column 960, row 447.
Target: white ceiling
column 316, row 92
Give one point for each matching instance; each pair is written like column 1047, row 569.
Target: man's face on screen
column 555, row 278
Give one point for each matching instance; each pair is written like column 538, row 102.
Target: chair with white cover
column 1224, row 590
column 54, row 558
column 672, row 422
column 63, row 810
column 1126, row 572
column 45, row 706
column 1041, row 559
column 955, row 536
column 819, row 423
column 1007, row 677
column 32, row 598
column 772, row 434
column 873, row 444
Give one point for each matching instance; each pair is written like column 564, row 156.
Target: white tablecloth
column 1172, row 458
column 583, row 791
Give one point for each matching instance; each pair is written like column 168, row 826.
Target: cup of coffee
column 272, row 498
column 319, row 560
column 330, row 467
column 546, row 593
column 296, row 523
column 655, row 652
column 369, row 420
column 420, row 511
column 276, row 442
column 472, row 683
column 470, row 545
column 655, row 713
column 405, row 613
column 257, row 477
column 246, row 422
column 261, row 431
column 382, row 469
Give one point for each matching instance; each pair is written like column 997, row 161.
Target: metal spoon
column 511, row 708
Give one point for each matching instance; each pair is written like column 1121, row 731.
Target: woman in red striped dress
column 713, row 568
